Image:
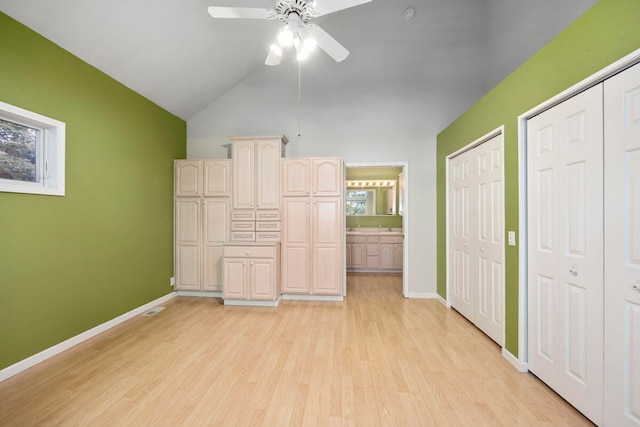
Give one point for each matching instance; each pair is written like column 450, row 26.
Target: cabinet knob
column 636, row 287
column 247, row 252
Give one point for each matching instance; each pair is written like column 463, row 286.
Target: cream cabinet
column 320, row 176
column 256, row 186
column 355, row 255
column 251, row 273
column 201, row 218
column 256, row 172
column 312, row 227
column 391, row 252
column 375, row 252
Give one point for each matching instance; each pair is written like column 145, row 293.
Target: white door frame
column 492, row 134
column 405, row 215
column 521, row 362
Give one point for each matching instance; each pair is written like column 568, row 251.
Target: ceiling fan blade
column 327, row 43
column 273, row 58
column 324, row 7
column 241, row 12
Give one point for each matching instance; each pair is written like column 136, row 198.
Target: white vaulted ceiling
column 173, row 53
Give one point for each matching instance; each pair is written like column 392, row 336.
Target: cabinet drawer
column 390, row 239
column 249, row 251
column 267, row 236
column 372, row 239
column 355, row 239
column 372, row 250
column 268, row 226
column 373, row 262
column 243, row 215
column 268, row 215
column 243, row 226
column 243, row 236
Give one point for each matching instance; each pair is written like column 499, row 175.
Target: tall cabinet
column 201, row 203
column 312, row 227
column 256, row 188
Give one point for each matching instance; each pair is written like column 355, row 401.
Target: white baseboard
column 444, row 302
column 422, row 295
column 31, row 361
column 296, row 297
column 206, row 294
column 251, row 303
column 519, row 365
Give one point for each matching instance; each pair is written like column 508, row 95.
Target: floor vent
column 153, row 311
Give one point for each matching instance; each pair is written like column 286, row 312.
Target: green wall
column 604, row 34
column 371, row 172
column 70, row 263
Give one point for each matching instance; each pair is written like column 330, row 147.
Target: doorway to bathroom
column 377, row 219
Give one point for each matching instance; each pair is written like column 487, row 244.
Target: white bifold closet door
column 476, row 238
column 565, row 250
column 622, row 249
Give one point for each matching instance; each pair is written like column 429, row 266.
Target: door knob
column 573, row 271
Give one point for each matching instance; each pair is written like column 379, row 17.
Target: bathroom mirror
column 371, row 197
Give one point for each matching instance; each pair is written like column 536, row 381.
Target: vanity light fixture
column 374, row 183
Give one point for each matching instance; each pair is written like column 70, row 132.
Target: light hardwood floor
column 376, row 359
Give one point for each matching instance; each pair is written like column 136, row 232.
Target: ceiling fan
column 298, row 31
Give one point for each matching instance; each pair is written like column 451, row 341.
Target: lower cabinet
column 374, row 253
column 251, row 273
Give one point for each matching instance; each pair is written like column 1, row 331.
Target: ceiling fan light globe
column 277, row 50
column 309, row 44
column 285, row 37
column 302, row 55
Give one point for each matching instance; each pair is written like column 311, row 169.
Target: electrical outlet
column 512, row 238
column 172, row 281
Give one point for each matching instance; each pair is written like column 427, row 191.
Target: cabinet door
column 262, row 279
column 296, row 245
column 216, row 178
column 216, row 220
column 357, row 256
column 386, row 256
column 327, row 246
column 296, row 177
column 243, row 171
column 235, row 278
column 327, row 177
column 268, row 153
column 215, row 232
column 398, row 256
column 213, row 269
column 187, row 243
column 187, row 178
column 348, row 249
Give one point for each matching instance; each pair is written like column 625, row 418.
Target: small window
column 361, row 202
column 31, row 152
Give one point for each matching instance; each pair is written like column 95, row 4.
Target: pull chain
column 299, row 97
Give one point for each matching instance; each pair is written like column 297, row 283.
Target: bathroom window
column 31, row 152
column 361, row 202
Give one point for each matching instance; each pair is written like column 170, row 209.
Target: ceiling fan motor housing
column 302, row 8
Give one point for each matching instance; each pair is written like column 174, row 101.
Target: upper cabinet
column 327, row 177
column 216, row 178
column 187, row 178
column 323, row 175
column 296, row 177
column 256, row 172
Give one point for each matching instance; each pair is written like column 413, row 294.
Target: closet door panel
column 622, row 249
column 461, row 240
column 489, row 238
column 565, row 187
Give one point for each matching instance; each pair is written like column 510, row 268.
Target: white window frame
column 50, row 164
